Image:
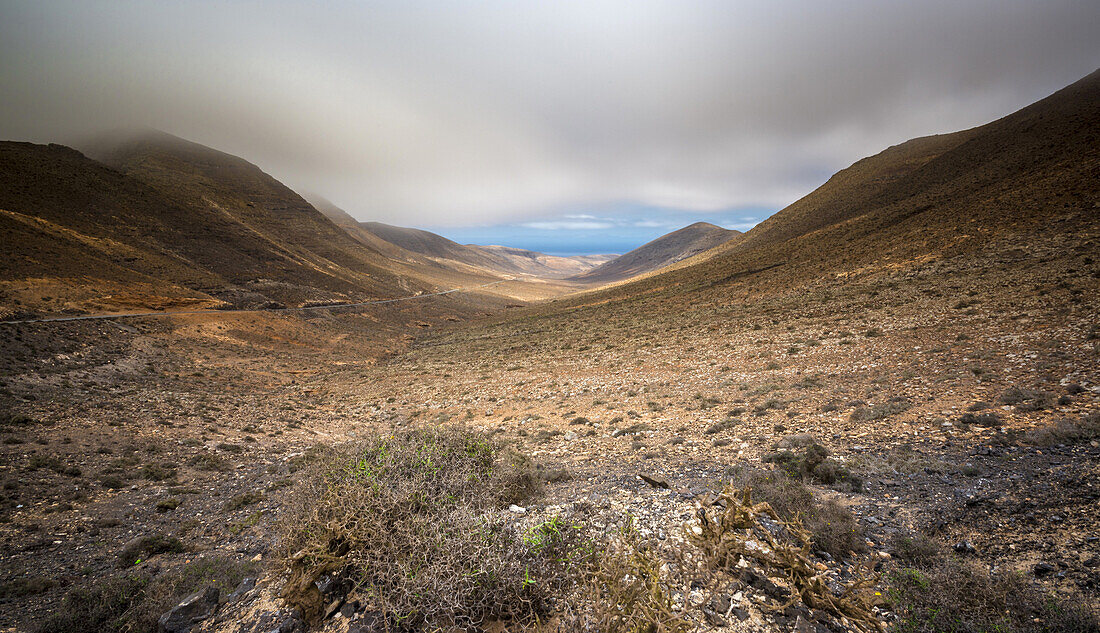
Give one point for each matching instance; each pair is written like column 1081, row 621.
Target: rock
column 803, row 626
column 965, row 547
column 569, row 436
column 713, row 618
column 326, row 584
column 720, row 604
column 656, row 482
column 1042, row 569
column 517, row 509
column 193, row 609
column 246, row 585
column 333, row 608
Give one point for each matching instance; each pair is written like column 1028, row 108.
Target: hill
column 661, row 252
column 501, row 259
column 159, row 222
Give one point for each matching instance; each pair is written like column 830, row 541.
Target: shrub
column 132, row 602
column 832, row 527
column 810, row 460
column 412, row 524
column 879, row 411
column 624, row 591
column 158, row 472
column 915, row 550
column 29, row 586
column 953, row 595
column 1066, row 431
column 209, row 462
column 1027, row 399
column 746, row 529
column 243, row 499
column 100, row 607
column 988, row 419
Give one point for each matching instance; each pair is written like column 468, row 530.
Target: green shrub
column 403, row 520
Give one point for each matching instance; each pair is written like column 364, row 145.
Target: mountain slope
column 661, row 252
column 998, row 191
column 172, row 223
column 440, row 260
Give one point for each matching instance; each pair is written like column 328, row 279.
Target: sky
column 569, row 127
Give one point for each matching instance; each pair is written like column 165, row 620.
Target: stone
column 517, row 509
column 714, row 619
column 1042, row 569
column 720, row 604
column 192, row 610
column 965, row 547
column 656, row 482
column 246, row 585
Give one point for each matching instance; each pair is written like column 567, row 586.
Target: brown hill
column 661, row 252
column 163, row 222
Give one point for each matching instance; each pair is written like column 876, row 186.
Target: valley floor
column 964, row 394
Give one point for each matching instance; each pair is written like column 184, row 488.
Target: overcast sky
column 518, row 114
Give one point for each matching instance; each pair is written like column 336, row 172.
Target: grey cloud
column 437, row 113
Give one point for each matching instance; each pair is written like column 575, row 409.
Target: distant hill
column 661, row 252
column 501, row 259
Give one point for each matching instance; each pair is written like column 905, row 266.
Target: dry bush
column 953, row 596
column 1066, row 431
column 740, row 529
column 623, row 590
column 804, row 458
column 133, row 602
column 832, row 527
column 1026, row 399
column 410, row 525
column 879, row 411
